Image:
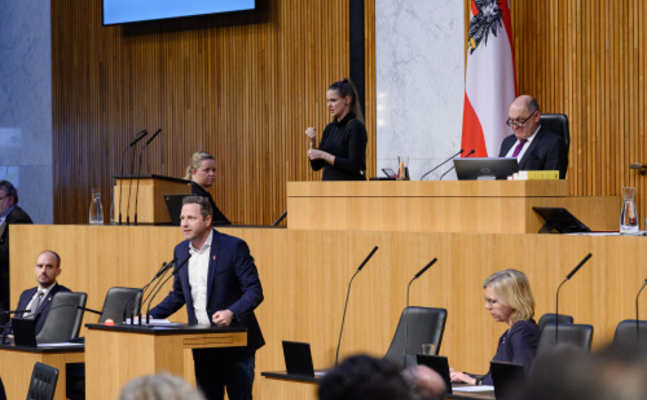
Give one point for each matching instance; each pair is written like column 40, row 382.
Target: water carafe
column 96, row 210
column 629, row 213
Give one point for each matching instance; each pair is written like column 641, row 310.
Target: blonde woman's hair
column 197, row 158
column 513, row 290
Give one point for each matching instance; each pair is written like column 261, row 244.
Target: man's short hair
column 203, row 202
column 56, row 256
column 364, row 378
column 9, row 188
column 163, row 386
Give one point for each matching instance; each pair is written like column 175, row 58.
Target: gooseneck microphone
column 177, row 269
column 139, row 172
column 121, row 173
column 88, row 310
column 280, row 218
column 406, row 320
column 442, row 163
column 638, row 319
column 136, row 298
column 452, row 168
column 132, row 172
column 343, row 319
column 569, row 276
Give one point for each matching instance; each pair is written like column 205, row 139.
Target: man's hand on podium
column 222, row 318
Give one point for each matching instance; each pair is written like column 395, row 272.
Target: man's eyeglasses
column 518, row 124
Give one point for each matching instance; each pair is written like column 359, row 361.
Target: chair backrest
column 63, row 323
column 551, row 318
column 579, row 336
column 558, row 124
column 43, row 382
column 425, row 326
column 628, row 332
column 116, row 299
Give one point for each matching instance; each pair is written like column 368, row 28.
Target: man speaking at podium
column 220, row 287
column 535, row 148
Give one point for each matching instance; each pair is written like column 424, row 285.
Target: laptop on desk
column 440, row 364
column 506, row 377
column 24, row 332
column 298, row 358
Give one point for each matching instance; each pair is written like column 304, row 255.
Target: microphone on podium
column 406, row 320
column 121, row 173
column 139, row 171
column 569, row 276
column 449, row 170
column 346, row 305
column 177, row 269
column 442, row 163
column 637, row 317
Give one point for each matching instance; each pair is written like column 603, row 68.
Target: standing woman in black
column 342, row 150
column 202, row 174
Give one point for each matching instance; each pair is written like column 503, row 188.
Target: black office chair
column 63, row 323
column 116, row 299
column 557, row 123
column 627, row 332
column 43, row 382
column 574, row 335
column 425, row 326
column 3, row 395
column 550, row 318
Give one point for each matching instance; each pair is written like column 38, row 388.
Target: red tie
column 517, row 149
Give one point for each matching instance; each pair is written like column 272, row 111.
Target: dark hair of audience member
column 363, row 378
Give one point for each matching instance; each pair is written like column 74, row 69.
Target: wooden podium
column 117, row 354
column 436, row 206
column 151, row 207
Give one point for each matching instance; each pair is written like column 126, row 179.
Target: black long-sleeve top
column 218, row 217
column 346, row 140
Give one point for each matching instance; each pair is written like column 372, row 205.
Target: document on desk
column 482, row 388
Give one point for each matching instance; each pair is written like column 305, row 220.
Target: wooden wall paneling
column 243, row 86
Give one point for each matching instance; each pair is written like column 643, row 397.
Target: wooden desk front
column 452, row 206
column 115, row 355
column 17, row 365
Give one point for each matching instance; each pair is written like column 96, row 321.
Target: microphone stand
column 139, row 172
column 441, row 164
column 341, row 330
column 132, row 171
column 569, row 276
column 637, row 319
column 406, row 312
column 452, row 168
column 182, row 264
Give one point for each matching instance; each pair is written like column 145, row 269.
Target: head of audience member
column 162, row 386
column 196, row 218
column 342, row 98
column 508, row 297
column 8, row 197
column 523, row 116
column 424, row 383
column 567, row 373
column 48, row 268
column 364, row 378
column 202, row 169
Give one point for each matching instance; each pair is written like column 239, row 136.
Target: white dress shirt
column 524, row 148
column 198, row 273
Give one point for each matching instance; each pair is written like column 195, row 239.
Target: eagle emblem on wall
column 488, row 20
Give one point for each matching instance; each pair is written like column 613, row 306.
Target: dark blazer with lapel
column 16, row 216
column 232, row 284
column 44, row 306
column 546, row 152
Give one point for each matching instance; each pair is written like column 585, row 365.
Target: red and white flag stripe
column 490, row 81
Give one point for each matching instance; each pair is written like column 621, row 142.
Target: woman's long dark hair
column 345, row 87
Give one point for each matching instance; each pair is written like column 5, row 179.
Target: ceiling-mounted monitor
column 127, row 11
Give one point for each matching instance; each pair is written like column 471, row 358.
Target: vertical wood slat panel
column 243, row 86
column 586, row 58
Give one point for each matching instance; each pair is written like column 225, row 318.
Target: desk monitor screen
column 506, row 377
column 438, row 364
column 298, row 358
column 559, row 219
column 24, row 332
column 490, row 168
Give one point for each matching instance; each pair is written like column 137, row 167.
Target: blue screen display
column 124, row 11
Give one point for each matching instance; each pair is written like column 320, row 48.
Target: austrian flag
column 490, row 81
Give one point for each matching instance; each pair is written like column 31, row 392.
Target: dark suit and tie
column 43, row 307
column 547, row 152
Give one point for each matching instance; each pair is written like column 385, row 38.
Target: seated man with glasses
column 535, row 148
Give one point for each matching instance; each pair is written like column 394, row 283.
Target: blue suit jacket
column 232, row 284
column 44, row 306
column 546, row 152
